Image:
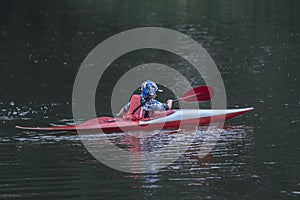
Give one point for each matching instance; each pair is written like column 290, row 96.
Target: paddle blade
column 201, row 93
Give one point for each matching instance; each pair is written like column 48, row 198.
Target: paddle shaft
column 200, row 93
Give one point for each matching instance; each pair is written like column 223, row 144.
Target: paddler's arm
column 123, row 110
column 121, row 113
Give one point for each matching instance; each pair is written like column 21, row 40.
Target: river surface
column 255, row 45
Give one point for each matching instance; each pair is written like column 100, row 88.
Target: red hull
column 109, row 125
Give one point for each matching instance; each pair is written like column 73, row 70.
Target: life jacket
column 135, row 102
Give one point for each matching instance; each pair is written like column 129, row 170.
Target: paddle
column 200, row 93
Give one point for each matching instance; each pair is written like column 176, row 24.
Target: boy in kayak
column 144, row 105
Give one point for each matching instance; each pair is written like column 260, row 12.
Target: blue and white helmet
column 148, row 88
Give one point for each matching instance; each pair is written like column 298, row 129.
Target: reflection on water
column 200, row 177
column 197, row 177
column 228, row 144
column 59, row 160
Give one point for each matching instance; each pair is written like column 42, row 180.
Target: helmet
column 148, row 88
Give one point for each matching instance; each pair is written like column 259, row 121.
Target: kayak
column 171, row 119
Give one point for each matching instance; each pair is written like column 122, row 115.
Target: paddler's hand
column 169, row 103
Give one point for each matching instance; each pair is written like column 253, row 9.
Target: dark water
column 255, row 45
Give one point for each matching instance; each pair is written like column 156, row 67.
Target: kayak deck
column 173, row 120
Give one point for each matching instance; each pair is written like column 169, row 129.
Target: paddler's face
column 154, row 96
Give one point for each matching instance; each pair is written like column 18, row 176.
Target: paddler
column 144, row 105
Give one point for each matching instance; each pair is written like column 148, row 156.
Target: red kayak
column 171, row 119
